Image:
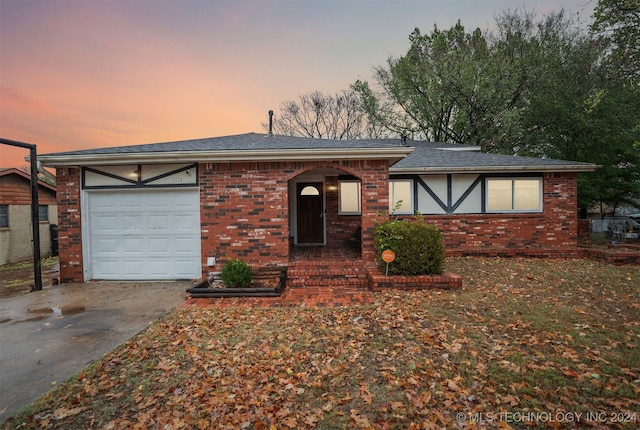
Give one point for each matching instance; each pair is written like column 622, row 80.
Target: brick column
column 69, row 225
column 375, row 201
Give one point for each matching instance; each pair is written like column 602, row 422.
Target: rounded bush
column 236, row 274
column 418, row 246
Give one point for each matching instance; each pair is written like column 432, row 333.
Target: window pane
column 43, row 213
column 350, row 197
column 401, row 198
column 526, row 195
column 499, row 194
column 4, row 216
column 310, row 190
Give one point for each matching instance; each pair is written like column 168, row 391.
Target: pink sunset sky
column 97, row 73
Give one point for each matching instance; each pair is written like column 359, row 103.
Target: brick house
column 178, row 210
column 15, row 216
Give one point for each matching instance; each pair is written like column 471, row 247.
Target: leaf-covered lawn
column 526, row 343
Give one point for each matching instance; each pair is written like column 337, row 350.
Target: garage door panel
column 107, row 224
column 160, row 206
column 159, row 245
column 143, row 234
column 108, row 268
column 103, row 206
column 134, row 268
column 184, row 222
column 131, row 223
column 184, row 268
column 106, row 246
column 185, row 202
column 161, row 267
column 183, row 245
column 130, row 201
column 133, row 246
column 159, row 222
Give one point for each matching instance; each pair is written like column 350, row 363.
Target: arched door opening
column 325, row 213
column 310, row 213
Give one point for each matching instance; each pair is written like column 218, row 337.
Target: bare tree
column 323, row 116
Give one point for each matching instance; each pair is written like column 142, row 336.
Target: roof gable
column 17, row 173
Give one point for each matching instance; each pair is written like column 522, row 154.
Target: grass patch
column 46, row 263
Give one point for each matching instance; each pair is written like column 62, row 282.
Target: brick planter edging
column 378, row 281
column 618, row 257
column 203, row 288
column 610, row 255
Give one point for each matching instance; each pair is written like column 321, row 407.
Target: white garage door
column 143, row 235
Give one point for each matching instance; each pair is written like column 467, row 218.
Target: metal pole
column 35, row 220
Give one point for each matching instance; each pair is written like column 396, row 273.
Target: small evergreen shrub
column 418, row 246
column 236, row 274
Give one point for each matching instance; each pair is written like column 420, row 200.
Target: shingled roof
column 431, row 157
column 240, row 142
column 404, row 156
column 243, row 147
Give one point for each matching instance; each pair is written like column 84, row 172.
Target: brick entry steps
column 328, row 283
column 304, row 274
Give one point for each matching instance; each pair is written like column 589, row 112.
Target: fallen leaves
column 62, row 413
column 523, row 335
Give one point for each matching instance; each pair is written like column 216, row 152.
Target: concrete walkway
column 50, row 335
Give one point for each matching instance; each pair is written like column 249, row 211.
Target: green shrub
column 236, row 274
column 418, row 246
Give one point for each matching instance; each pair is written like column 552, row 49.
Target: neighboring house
column 177, row 210
column 16, row 235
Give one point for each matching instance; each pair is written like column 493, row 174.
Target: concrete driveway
column 48, row 336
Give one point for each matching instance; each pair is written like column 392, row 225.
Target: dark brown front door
column 310, row 213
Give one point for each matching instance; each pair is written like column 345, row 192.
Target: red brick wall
column 554, row 228
column 245, row 209
column 342, row 230
column 69, row 225
column 244, row 213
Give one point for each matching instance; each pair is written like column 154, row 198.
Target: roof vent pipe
column 403, row 137
column 270, row 123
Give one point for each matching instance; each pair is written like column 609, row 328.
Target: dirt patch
column 17, row 278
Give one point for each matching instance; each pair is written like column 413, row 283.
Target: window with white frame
column 4, row 215
column 349, row 202
column 514, row 194
column 401, row 196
